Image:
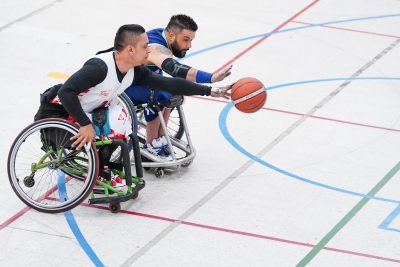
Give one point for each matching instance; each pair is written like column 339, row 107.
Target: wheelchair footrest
column 117, row 199
column 100, row 200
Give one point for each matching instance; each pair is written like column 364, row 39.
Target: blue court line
column 87, row 248
column 224, row 129
column 331, row 79
column 285, row 30
column 385, row 224
column 62, row 191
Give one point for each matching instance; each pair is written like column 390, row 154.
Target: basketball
column 248, row 95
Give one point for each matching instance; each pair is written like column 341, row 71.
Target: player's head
column 180, row 32
column 132, row 41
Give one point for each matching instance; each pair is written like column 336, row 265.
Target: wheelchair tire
column 175, row 127
column 124, row 101
column 41, row 153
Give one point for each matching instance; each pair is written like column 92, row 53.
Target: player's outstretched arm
column 176, row 86
column 162, row 58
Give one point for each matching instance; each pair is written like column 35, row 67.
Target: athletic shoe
column 165, row 146
column 156, row 147
column 116, row 181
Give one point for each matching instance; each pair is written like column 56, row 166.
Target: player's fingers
column 75, row 137
column 81, row 144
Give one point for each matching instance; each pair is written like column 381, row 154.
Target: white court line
column 29, row 15
column 229, row 179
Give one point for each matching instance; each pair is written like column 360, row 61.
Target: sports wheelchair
column 182, row 152
column 51, row 176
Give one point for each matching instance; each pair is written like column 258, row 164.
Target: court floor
column 312, row 179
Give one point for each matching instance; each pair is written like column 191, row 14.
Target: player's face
column 182, row 43
column 141, row 50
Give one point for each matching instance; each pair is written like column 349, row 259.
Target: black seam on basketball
column 246, row 84
column 265, row 99
column 262, row 91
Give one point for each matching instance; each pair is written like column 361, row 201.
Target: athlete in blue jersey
column 175, row 40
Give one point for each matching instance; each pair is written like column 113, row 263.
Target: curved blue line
column 286, row 30
column 330, row 79
column 228, row 137
column 62, row 191
column 74, row 227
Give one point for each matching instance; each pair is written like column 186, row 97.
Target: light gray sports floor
column 310, row 180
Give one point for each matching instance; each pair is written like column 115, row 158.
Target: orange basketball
column 248, row 95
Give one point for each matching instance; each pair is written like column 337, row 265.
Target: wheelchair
column 51, row 176
column 182, row 152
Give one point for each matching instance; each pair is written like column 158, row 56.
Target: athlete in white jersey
column 104, row 77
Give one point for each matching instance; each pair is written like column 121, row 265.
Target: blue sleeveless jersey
column 141, row 93
column 156, row 36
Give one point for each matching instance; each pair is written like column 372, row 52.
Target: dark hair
column 127, row 35
column 181, row 22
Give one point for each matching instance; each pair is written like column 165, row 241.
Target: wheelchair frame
column 43, row 149
column 149, row 160
column 173, row 143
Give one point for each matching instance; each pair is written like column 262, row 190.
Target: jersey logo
column 121, row 117
column 55, row 100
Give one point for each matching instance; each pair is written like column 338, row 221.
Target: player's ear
column 130, row 48
column 170, row 35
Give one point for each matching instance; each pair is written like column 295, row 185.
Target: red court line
column 23, row 211
column 314, row 117
column 26, row 209
column 13, row 218
column 219, row 229
column 265, row 37
column 346, row 29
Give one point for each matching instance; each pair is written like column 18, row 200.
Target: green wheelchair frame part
column 79, row 170
column 60, row 161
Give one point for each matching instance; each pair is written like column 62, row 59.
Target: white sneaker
column 116, row 182
column 165, row 146
column 155, row 147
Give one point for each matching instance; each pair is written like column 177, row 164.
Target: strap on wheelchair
column 151, row 95
column 175, row 100
column 100, row 122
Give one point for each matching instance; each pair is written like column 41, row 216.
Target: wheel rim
column 43, row 195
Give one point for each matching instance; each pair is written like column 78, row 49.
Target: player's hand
column 221, row 91
column 86, row 134
column 219, row 76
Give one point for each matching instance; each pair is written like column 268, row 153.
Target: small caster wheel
column 187, row 163
column 135, row 195
column 29, row 181
column 158, row 172
column 114, row 207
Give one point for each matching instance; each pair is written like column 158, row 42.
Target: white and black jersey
column 99, row 81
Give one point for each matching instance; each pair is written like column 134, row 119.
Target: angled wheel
column 174, row 125
column 114, row 207
column 159, row 172
column 124, row 101
column 38, row 161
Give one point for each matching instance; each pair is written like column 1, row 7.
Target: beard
column 175, row 50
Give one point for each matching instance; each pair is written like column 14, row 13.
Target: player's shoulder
column 156, row 31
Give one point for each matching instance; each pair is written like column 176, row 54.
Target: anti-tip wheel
column 186, row 164
column 158, row 172
column 114, row 207
column 135, row 195
column 29, row 181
